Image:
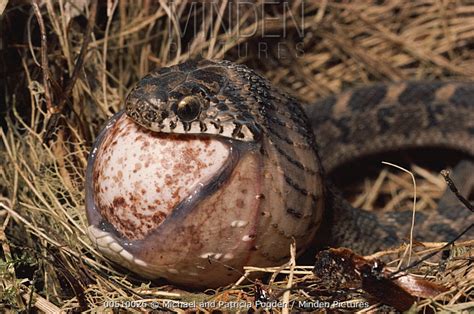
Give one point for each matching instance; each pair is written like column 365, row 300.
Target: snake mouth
column 137, row 178
column 214, row 195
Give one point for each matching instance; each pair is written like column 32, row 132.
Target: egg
column 182, row 207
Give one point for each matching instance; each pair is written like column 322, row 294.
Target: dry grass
column 48, row 261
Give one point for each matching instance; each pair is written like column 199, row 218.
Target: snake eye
column 189, row 108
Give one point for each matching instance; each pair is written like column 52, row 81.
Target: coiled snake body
column 271, row 189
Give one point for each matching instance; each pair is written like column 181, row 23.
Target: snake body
column 278, row 143
column 239, row 105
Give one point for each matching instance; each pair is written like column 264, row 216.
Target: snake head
column 196, row 97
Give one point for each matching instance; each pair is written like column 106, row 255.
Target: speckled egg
column 141, row 176
column 176, row 206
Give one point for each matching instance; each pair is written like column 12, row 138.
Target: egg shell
column 204, row 191
column 140, row 176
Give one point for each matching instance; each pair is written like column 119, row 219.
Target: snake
column 268, row 185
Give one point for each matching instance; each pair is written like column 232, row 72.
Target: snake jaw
column 163, row 205
column 207, row 124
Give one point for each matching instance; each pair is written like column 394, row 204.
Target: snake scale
column 272, row 188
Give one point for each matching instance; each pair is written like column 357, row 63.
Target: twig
column 286, row 294
column 80, row 59
column 53, row 122
column 44, row 55
column 3, row 5
column 104, row 51
column 414, row 205
column 468, row 205
column 39, row 302
column 454, row 189
column 414, row 264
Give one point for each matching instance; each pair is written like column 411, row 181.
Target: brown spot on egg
column 168, row 179
column 119, row 201
column 137, row 167
column 159, row 217
column 145, row 144
column 132, row 197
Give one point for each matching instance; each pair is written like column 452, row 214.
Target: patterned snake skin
column 386, row 118
column 274, row 180
column 353, row 124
